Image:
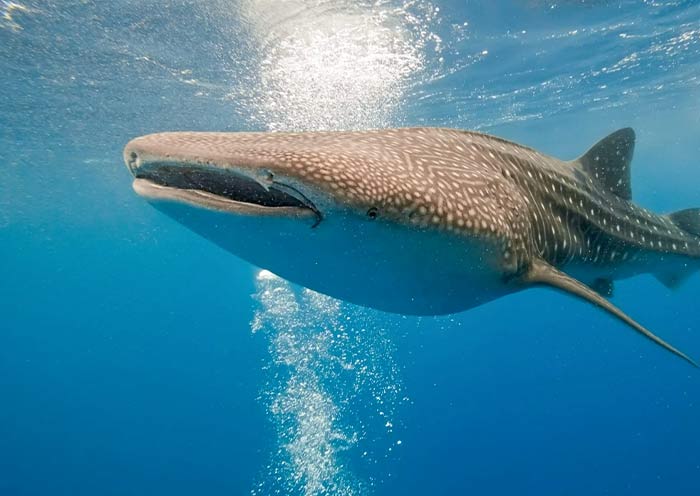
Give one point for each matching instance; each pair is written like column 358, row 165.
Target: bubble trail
column 332, row 391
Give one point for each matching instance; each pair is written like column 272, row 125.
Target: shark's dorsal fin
column 608, row 162
column 540, row 272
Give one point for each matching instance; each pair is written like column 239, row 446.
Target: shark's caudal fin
column 689, row 221
column 608, row 162
column 542, row 273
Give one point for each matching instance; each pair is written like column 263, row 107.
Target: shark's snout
column 131, row 159
column 142, row 150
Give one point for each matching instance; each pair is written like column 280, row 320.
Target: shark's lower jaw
column 224, row 190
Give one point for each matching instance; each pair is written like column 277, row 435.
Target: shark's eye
column 372, row 213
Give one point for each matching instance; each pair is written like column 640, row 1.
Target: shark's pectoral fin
column 541, row 273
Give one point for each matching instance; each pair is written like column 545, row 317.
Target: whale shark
column 419, row 221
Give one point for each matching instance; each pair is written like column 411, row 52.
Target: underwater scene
column 342, row 295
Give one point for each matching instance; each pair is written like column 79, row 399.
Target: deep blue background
column 127, row 364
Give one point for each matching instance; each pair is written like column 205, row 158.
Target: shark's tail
column 689, row 221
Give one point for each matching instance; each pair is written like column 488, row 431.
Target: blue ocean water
column 137, row 358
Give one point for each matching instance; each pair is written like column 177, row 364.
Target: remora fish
column 421, row 221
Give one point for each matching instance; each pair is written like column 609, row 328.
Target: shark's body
column 418, row 220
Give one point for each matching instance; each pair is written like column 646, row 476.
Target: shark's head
column 347, row 214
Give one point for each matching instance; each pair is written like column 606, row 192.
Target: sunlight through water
column 334, row 386
column 329, row 64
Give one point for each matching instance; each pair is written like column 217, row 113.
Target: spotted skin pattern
column 546, row 219
column 472, row 184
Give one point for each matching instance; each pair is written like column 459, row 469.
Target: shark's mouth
column 224, row 184
column 222, row 189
